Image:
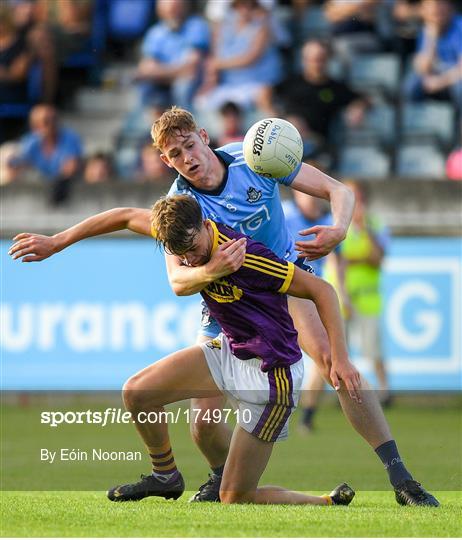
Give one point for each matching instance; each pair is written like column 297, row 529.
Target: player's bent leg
column 182, row 375
column 247, row 460
column 212, row 439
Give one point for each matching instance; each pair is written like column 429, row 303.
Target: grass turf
column 89, row 514
column 428, row 432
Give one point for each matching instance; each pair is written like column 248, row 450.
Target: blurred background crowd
column 374, row 86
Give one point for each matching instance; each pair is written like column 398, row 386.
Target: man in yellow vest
column 360, row 257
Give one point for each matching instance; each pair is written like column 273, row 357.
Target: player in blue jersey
column 256, row 360
column 228, row 191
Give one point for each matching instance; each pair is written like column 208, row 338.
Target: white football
column 273, row 147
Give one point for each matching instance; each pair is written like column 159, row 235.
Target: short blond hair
column 173, row 122
column 175, row 221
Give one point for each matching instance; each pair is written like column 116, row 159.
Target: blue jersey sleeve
column 287, row 180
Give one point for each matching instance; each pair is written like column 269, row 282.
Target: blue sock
column 397, row 472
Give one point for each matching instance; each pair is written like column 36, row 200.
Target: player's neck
column 214, row 175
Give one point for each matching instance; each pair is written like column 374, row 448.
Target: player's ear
column 165, row 159
column 204, row 136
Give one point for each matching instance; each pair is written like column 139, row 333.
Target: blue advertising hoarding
column 91, row 316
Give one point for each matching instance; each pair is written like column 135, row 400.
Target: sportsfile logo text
column 113, row 415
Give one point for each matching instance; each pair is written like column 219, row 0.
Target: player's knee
column 235, row 497
column 133, row 395
column 202, row 429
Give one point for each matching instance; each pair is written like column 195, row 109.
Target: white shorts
column 264, row 401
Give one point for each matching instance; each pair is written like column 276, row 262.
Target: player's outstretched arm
column 305, row 285
column 187, row 280
column 37, row 247
column 318, row 184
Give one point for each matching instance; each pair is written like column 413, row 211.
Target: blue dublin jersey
column 245, row 201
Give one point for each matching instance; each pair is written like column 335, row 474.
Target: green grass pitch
column 68, row 499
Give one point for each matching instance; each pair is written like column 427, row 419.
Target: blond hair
column 172, row 122
column 175, row 222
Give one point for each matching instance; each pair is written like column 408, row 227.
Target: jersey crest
column 223, row 292
column 253, row 195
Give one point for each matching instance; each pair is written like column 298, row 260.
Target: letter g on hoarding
column 428, row 321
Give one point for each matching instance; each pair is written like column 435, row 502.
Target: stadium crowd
column 374, row 86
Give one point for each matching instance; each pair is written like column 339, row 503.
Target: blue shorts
column 210, row 327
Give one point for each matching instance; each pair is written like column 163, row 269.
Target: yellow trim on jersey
column 153, row 232
column 216, row 235
column 265, row 260
column 289, row 278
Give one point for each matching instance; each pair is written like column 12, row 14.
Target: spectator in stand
column 54, row 151
column 152, row 169
column 98, row 169
column 353, row 26
column 15, row 61
column 63, row 27
column 173, row 53
column 438, row 62
column 232, row 124
column 245, row 62
column 317, row 97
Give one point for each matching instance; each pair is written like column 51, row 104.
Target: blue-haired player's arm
column 318, row 184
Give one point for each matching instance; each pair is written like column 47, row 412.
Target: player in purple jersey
column 185, row 148
column 256, row 361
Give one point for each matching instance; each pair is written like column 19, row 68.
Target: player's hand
column 346, row 372
column 227, row 258
column 327, row 237
column 32, row 247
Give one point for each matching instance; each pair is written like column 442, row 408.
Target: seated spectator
column 317, row 97
column 353, row 26
column 54, row 151
column 63, row 27
column 152, row 169
column 232, row 124
column 173, row 51
column 14, row 66
column 245, row 61
column 438, row 62
column 98, row 169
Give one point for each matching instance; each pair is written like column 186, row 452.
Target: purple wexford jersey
column 251, row 307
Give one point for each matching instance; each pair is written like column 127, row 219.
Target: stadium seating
column 431, row 119
column 129, row 19
column 376, row 74
column 314, row 23
column 420, row 161
column 378, row 127
column 368, row 162
column 34, row 90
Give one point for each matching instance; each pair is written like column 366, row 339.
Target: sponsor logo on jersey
column 253, row 195
column 223, row 292
column 214, row 344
